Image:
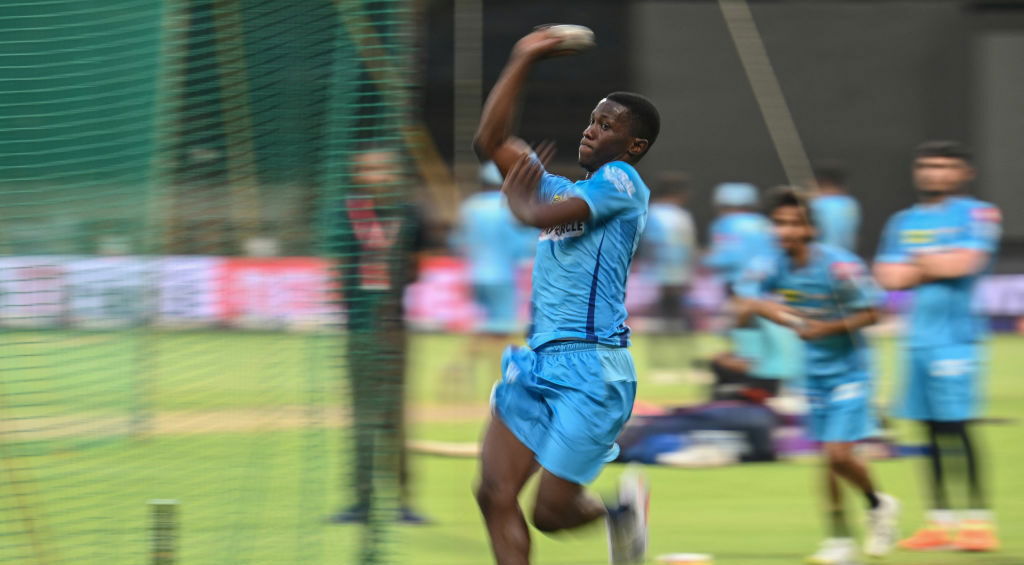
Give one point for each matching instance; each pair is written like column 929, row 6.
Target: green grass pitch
column 243, row 431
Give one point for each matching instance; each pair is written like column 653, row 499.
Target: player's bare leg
column 842, row 461
column 505, row 466
column 563, row 505
column 837, row 516
column 883, row 512
column 838, row 548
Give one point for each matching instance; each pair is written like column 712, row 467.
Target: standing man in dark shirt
column 377, row 244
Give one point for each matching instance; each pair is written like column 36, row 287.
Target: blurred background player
column 764, row 353
column 739, row 232
column 836, row 212
column 381, row 236
column 495, row 246
column 938, row 249
column 561, row 403
column 826, row 295
column 668, row 249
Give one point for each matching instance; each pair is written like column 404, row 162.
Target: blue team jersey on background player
column 669, row 237
column 837, row 218
column 580, row 270
column 941, row 312
column 493, row 241
column 833, row 284
column 736, row 239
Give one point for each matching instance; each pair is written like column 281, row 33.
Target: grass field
column 242, row 429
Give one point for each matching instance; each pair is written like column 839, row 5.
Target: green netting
column 366, row 179
column 175, row 185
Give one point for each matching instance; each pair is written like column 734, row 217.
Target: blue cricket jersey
column 736, row 239
column 491, row 238
column 832, row 285
column 580, row 270
column 941, row 312
column 837, row 218
column 671, row 239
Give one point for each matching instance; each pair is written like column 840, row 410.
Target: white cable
column 767, row 91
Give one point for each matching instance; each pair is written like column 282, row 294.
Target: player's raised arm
column 494, row 138
column 520, row 186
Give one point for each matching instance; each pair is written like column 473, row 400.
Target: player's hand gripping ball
column 571, row 37
column 554, row 40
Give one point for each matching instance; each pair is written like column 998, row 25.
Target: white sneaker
column 835, row 551
column 883, row 527
column 627, row 523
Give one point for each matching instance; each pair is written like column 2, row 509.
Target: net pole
column 26, row 499
column 243, row 181
column 164, row 532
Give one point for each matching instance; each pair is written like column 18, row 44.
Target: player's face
column 607, row 137
column 376, row 171
column 793, row 228
column 941, row 174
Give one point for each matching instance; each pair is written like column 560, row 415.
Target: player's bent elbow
column 483, row 147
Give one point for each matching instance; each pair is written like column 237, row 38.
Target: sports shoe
column 835, row 551
column 407, row 515
column 933, row 536
column 883, row 527
column 976, row 535
column 627, row 522
column 357, row 514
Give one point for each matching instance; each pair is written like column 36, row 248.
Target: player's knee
column 492, row 494
column 838, row 455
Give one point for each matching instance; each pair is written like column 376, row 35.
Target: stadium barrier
column 297, row 293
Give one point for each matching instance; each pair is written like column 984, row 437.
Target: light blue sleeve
column 984, row 227
column 551, row 184
column 890, row 249
column 610, row 192
column 855, row 288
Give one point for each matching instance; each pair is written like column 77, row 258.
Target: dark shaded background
column 865, row 82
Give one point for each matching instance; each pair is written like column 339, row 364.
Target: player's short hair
column 944, row 148
column 830, row 171
column 645, row 117
column 786, row 196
